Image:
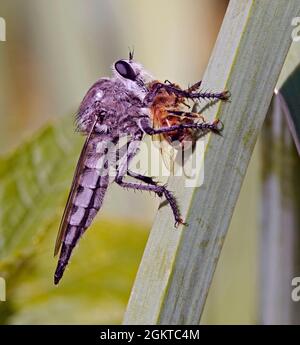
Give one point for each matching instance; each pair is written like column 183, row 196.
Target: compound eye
column 125, row 70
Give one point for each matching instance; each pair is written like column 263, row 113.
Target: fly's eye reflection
column 125, row 70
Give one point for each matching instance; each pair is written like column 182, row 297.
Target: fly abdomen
column 87, row 202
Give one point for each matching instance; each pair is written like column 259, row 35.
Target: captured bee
column 169, row 109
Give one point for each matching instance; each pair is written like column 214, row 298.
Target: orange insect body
column 162, row 116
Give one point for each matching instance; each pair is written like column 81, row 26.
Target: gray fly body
column 112, row 108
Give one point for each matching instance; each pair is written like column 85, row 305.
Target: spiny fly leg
column 218, row 96
column 215, row 126
column 145, row 179
column 174, row 206
column 223, row 96
column 191, row 88
column 158, row 190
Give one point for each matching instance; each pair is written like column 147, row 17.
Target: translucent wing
column 72, row 193
column 89, row 185
column 165, row 149
column 168, row 155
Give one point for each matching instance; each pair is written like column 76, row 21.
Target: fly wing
column 74, row 187
column 89, row 185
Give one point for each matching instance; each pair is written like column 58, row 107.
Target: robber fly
column 113, row 108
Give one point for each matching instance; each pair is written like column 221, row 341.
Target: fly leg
column 145, row 179
column 192, row 88
column 158, row 190
column 149, row 185
column 224, row 95
column 215, row 126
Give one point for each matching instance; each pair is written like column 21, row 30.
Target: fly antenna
column 131, row 53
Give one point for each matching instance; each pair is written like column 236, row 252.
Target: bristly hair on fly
column 131, row 53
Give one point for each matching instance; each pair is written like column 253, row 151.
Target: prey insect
column 116, row 107
column 168, row 109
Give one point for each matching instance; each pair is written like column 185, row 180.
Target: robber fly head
column 131, row 72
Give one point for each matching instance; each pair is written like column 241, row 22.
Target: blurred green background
column 54, row 51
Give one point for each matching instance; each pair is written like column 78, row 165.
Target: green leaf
column 33, row 184
column 96, row 285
